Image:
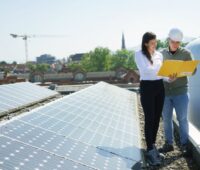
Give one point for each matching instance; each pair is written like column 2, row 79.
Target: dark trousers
column 152, row 96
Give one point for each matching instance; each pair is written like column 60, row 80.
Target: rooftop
column 94, row 128
column 98, row 127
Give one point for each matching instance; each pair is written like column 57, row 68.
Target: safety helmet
column 175, row 34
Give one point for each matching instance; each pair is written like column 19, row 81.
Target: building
column 45, row 59
column 20, row 68
column 76, row 58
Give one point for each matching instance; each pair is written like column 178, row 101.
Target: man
column 176, row 91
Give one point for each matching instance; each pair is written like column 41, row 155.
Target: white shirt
column 147, row 70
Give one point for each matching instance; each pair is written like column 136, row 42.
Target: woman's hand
column 172, row 77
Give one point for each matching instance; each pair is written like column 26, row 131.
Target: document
column 179, row 67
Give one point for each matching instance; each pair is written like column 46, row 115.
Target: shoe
column 152, row 158
column 160, row 156
column 185, row 150
column 166, row 148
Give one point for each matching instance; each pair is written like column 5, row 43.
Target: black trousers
column 152, row 96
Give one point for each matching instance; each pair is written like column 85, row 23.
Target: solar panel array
column 16, row 95
column 95, row 128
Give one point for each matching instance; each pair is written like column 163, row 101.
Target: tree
column 42, row 68
column 122, row 58
column 96, row 60
column 183, row 44
column 75, row 66
column 101, row 59
column 162, row 44
column 38, row 69
column 32, row 70
column 3, row 63
column 130, row 62
column 14, row 63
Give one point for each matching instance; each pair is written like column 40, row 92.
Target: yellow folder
column 179, row 67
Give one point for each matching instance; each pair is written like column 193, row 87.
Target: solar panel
column 95, row 128
column 16, row 155
column 13, row 96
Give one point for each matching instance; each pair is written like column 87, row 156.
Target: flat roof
column 94, row 128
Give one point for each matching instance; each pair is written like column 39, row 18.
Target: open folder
column 179, row 67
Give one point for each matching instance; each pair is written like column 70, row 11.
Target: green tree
column 122, row 58
column 75, row 66
column 14, row 63
column 42, row 68
column 3, row 63
column 32, row 68
column 130, row 61
column 183, row 44
column 101, row 59
column 96, row 60
column 162, row 44
column 38, row 68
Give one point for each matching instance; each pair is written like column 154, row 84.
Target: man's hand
column 172, row 77
column 194, row 71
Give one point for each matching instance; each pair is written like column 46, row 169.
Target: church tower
column 123, row 42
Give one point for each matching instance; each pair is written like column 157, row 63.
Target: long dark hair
column 145, row 39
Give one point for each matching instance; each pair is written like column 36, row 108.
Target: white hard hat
column 175, row 34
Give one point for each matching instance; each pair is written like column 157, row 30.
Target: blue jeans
column 180, row 104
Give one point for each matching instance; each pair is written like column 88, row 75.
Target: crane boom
column 25, row 37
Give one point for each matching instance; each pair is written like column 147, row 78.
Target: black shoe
column 152, row 158
column 166, row 148
column 185, row 150
column 160, row 156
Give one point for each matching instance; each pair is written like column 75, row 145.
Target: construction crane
column 26, row 37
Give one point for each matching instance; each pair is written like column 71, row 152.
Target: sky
column 81, row 25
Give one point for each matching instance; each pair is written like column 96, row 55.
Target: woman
column 149, row 61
